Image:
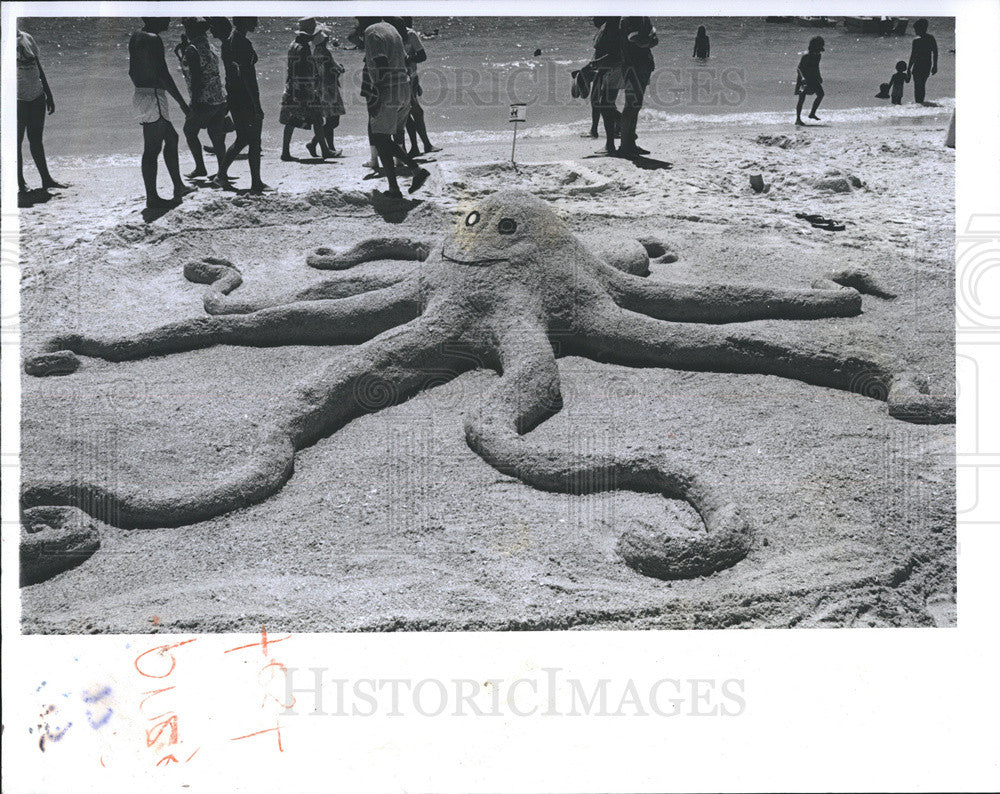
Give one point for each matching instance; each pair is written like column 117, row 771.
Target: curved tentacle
column 223, row 277
column 615, row 334
column 332, row 322
column 382, row 372
column 527, row 394
column 855, row 279
column 727, row 303
column 368, row 251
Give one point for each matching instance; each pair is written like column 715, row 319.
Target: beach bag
column 581, row 84
column 883, row 91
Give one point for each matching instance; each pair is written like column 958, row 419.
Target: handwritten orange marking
column 161, row 649
column 166, row 760
column 102, row 762
column 170, row 722
column 150, row 694
column 264, row 642
column 276, row 728
column 192, row 755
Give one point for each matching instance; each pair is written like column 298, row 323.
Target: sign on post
column 518, row 114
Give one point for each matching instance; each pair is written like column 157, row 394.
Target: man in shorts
column 200, row 65
column 147, row 66
column 387, row 89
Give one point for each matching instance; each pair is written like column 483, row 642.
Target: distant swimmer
column 808, row 80
column 702, row 46
column 34, row 97
column 923, row 59
column 147, row 66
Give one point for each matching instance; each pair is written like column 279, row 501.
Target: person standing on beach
column 608, row 78
column 702, row 46
column 147, row 66
column 923, row 59
column 808, row 80
column 243, row 95
column 34, row 98
column 415, row 123
column 300, row 102
column 388, row 94
column 200, row 66
column 638, row 39
column 331, row 103
column 896, row 82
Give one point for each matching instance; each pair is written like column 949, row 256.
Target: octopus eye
column 472, row 218
column 507, row 226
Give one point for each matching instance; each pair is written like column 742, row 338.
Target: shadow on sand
column 30, row 198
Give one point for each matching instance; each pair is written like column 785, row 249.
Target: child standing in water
column 808, row 80
column 897, row 82
column 702, row 46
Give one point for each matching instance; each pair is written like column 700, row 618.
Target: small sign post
column 518, row 114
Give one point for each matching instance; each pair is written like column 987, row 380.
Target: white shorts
column 150, row 105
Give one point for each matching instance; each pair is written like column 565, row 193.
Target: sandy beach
column 393, row 523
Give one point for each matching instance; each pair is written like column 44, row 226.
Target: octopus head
column 508, row 226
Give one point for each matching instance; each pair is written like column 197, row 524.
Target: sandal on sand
column 819, row 222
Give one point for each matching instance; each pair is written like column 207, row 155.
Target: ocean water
column 477, row 66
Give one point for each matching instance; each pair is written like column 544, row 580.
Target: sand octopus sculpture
column 511, row 289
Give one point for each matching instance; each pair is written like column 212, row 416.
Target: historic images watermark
column 548, row 84
column 318, row 692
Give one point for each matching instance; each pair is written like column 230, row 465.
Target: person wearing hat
column 300, row 103
column 200, row 66
column 808, row 80
column 147, row 68
column 331, row 103
column 239, row 60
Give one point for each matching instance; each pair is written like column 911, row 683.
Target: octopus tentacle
column 625, row 337
column 855, row 279
column 344, row 321
column 370, row 250
column 384, row 371
column 223, row 277
column 728, row 303
column 527, row 394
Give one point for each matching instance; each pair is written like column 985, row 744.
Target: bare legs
column 31, row 121
column 248, row 131
column 216, row 134
column 157, row 136
column 815, row 105
column 388, row 150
